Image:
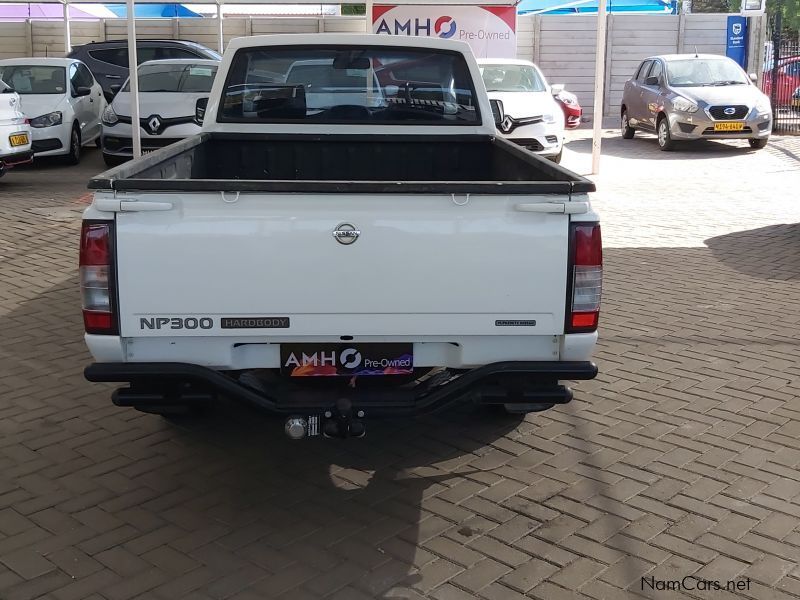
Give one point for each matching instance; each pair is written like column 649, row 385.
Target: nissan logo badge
column 729, row 111
column 346, row 234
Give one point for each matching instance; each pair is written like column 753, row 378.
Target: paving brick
column 681, row 456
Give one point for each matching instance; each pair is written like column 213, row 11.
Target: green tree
column 790, row 12
column 354, row 9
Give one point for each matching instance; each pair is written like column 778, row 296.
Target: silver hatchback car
column 693, row 97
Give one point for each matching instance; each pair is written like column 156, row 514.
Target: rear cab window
column 346, row 84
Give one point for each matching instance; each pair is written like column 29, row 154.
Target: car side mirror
column 652, row 80
column 82, row 91
column 557, row 88
column 497, row 111
column 200, row 110
column 753, row 77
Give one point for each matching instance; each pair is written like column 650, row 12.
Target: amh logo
column 439, row 26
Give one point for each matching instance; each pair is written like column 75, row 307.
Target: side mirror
column 82, row 91
column 651, row 81
column 497, row 111
column 200, row 110
column 557, row 88
column 753, row 77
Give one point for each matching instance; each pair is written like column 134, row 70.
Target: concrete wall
column 563, row 46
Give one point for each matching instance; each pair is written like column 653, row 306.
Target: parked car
column 169, row 91
column 372, row 252
column 63, row 101
column 109, row 60
column 15, row 132
column 787, row 85
column 572, row 109
column 533, row 118
column 693, row 97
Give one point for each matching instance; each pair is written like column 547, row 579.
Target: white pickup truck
column 351, row 243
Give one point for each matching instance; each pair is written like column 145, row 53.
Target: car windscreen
column 693, row 72
column 35, row 79
column 348, row 84
column 512, row 78
column 175, row 78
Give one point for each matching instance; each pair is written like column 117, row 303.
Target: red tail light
column 96, row 272
column 586, row 272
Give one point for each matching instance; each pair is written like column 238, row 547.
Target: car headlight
column 48, row 120
column 109, row 116
column 682, row 104
column 763, row 106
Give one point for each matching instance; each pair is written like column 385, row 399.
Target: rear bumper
column 515, row 384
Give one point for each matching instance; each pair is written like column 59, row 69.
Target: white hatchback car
column 15, row 133
column 62, row 100
column 533, row 118
column 169, row 91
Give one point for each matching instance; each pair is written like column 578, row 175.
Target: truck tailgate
column 269, row 264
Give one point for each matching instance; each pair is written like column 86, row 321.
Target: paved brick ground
column 680, row 459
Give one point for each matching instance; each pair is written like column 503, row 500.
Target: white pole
column 67, row 40
column 599, row 85
column 368, row 11
column 134, row 81
column 220, row 37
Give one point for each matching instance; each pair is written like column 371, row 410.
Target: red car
column 572, row 110
column 788, row 82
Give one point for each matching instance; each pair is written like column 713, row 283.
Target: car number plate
column 346, row 360
column 18, row 139
column 728, row 126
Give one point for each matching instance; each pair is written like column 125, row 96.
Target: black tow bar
column 338, row 422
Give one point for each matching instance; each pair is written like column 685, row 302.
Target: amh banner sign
column 489, row 30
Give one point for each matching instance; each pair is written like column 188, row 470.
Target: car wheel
column 98, row 144
column 627, row 131
column 2, row 170
column 664, row 137
column 112, row 161
column 758, row 143
column 74, row 156
column 557, row 158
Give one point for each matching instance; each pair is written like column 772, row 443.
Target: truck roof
column 347, row 39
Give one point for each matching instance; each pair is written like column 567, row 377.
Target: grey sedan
column 693, row 97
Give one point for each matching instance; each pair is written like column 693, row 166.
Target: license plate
column 18, row 139
column 346, row 360
column 728, row 126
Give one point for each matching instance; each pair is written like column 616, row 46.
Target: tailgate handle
column 113, row 205
column 562, row 208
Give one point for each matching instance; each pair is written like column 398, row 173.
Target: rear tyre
column 2, row 170
column 627, row 131
column 74, row 156
column 665, row 141
column 759, row 143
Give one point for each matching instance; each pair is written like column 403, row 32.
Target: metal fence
column 781, row 81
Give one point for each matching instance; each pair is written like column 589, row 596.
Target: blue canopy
column 575, row 7
column 153, row 11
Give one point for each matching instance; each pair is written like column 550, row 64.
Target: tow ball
column 339, row 422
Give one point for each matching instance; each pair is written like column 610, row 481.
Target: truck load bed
column 335, row 163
